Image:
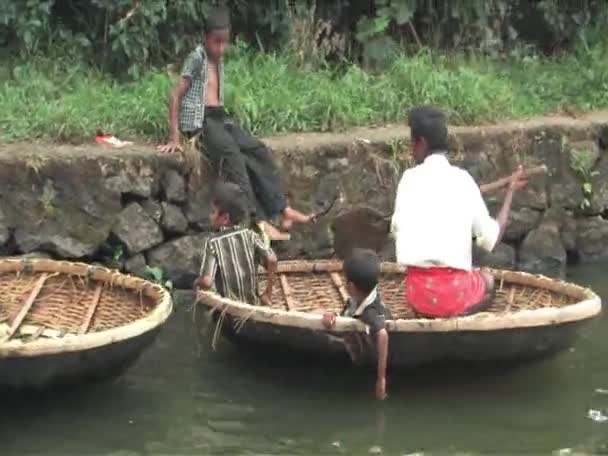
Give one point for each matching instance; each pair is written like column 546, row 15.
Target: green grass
column 270, row 93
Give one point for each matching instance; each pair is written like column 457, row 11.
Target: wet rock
column 603, row 138
column 133, row 177
column 521, row 222
column 334, row 164
column 56, row 209
column 598, row 181
column 174, row 186
column 136, row 265
column 566, row 190
column 360, row 227
column 542, row 251
column 592, row 239
column 562, row 183
column 5, row 233
column 502, row 257
column 198, row 208
column 153, row 209
column 173, row 220
column 583, row 155
column 179, row 259
column 136, row 229
column 568, row 232
column 183, row 297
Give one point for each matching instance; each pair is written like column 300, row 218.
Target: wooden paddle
column 365, row 227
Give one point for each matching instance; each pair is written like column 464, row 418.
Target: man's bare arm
column 515, row 183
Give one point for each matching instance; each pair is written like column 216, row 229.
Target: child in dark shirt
column 362, row 271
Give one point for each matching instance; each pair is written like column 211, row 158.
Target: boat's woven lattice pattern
column 317, row 291
column 65, row 302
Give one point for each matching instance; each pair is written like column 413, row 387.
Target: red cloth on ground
column 443, row 292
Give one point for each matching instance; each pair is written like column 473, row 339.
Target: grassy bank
column 60, row 101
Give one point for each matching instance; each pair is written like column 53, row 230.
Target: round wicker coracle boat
column 63, row 322
column 532, row 316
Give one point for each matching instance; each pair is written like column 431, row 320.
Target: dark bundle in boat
column 531, row 316
column 64, row 322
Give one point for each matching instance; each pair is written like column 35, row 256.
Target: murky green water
column 179, row 401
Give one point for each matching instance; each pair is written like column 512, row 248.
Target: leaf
column 370, row 27
column 156, row 273
column 403, row 13
column 118, row 252
column 587, row 187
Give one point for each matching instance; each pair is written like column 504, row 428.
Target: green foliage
column 582, row 162
column 126, row 36
column 157, row 275
column 269, row 93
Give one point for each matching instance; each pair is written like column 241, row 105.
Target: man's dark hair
column 217, row 19
column 362, row 268
column 230, row 199
column 429, row 123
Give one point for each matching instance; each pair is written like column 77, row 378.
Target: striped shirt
column 230, row 257
column 192, row 108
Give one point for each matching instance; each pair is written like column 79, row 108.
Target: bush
column 125, row 37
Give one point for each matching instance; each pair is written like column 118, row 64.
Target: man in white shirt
column 438, row 210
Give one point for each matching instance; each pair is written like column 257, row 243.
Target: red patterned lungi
column 443, row 292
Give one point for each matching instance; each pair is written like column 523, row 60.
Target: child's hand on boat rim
column 198, row 283
column 381, row 388
column 329, row 319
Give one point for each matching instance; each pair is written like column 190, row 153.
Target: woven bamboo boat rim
column 587, row 306
column 76, row 342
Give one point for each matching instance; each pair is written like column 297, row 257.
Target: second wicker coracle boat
column 63, row 322
column 532, row 316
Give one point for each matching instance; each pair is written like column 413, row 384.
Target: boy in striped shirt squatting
column 231, row 256
column 362, row 271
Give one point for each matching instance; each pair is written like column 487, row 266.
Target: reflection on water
column 182, row 399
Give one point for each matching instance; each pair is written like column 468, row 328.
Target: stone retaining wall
column 133, row 207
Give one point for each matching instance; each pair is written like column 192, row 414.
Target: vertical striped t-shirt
column 231, row 257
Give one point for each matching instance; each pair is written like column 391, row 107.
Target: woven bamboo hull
column 70, row 368
column 533, row 317
column 415, row 348
column 62, row 322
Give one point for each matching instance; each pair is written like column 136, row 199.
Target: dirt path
column 311, row 141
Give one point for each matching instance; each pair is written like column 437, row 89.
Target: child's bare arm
column 268, row 259
column 208, row 268
column 203, row 282
column 382, row 347
column 176, row 97
column 270, row 262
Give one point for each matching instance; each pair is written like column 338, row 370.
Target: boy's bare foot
column 289, row 216
column 272, row 233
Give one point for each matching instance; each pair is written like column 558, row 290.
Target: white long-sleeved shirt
column 438, row 209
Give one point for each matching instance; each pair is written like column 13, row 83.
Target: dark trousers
column 238, row 157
